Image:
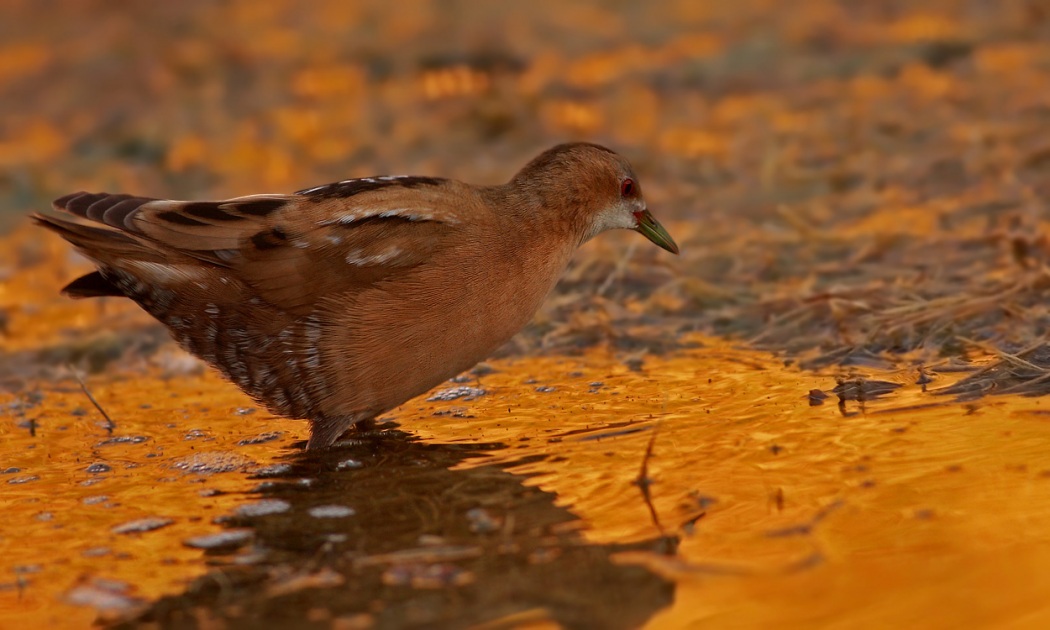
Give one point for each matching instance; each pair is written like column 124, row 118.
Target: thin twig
column 779, row 320
column 30, row 423
column 1006, row 357
column 643, row 482
column 618, row 270
column 1022, row 386
column 110, row 425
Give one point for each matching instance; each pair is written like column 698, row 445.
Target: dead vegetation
column 852, row 185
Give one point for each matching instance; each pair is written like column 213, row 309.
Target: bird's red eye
column 627, row 187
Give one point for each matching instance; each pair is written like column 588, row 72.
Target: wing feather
column 292, row 250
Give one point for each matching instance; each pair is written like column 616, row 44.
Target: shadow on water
column 385, row 531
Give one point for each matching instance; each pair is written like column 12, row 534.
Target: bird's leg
column 365, row 425
column 324, row 431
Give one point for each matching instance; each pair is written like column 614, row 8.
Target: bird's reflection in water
column 382, row 531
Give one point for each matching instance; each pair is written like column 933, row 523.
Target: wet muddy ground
column 829, row 410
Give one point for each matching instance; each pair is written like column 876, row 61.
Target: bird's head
column 596, row 187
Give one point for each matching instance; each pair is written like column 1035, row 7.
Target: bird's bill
column 651, row 229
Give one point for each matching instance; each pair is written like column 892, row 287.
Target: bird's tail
column 104, row 245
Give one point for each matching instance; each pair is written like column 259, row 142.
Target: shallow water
column 524, row 503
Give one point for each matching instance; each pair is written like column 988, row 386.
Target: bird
column 340, row 302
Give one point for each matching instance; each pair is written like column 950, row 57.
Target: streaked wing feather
column 291, row 249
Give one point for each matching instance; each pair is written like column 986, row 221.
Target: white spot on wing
column 412, row 214
column 359, row 258
column 257, row 196
column 159, row 273
column 405, row 213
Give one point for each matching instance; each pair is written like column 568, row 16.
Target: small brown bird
column 340, row 302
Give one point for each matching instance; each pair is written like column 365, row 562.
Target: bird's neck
column 537, row 214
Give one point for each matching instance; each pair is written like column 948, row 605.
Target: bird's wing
column 292, row 250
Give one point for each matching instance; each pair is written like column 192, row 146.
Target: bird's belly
column 399, row 348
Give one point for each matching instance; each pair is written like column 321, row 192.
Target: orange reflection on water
column 913, row 510
column 68, row 486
